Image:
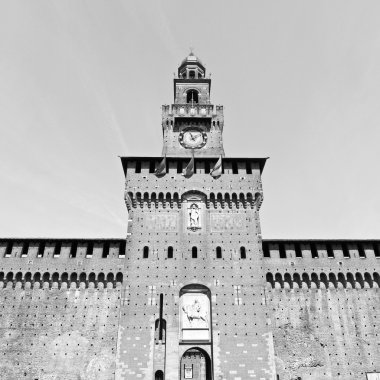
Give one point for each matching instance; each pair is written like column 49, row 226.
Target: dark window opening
column 179, row 167
column 25, row 248
column 314, row 251
column 282, row 251
column 243, row 254
column 152, row 166
column 8, row 250
column 90, row 250
column 298, row 250
column 122, row 249
column 361, row 251
column 106, row 250
column 138, row 166
column 207, row 167
column 146, row 252
column 192, row 96
column 192, row 74
column 170, row 252
column 346, row 252
column 234, row 167
column 41, row 249
column 194, row 252
column 57, row 249
column 248, row 167
column 330, row 252
column 376, row 250
column 266, row 250
column 73, row 250
column 218, row 252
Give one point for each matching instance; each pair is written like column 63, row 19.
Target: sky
column 82, row 83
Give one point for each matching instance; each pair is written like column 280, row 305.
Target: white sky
column 82, row 82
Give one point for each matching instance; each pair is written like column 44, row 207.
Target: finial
column 191, row 50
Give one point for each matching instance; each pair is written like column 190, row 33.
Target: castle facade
column 193, row 292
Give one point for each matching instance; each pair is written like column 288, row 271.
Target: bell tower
column 192, row 124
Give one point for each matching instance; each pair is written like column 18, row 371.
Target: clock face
column 192, row 138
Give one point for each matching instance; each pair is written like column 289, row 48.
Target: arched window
column 218, row 252
column 170, row 252
column 243, row 254
column 192, row 96
column 159, row 375
column 146, row 252
column 194, row 252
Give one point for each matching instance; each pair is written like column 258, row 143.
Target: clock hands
column 192, row 137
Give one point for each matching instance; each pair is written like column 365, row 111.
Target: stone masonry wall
column 58, row 334
column 323, row 301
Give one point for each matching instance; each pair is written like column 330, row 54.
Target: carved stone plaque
column 221, row 222
column 162, row 222
column 195, row 316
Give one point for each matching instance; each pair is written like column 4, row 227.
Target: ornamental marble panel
column 227, row 221
column 162, row 222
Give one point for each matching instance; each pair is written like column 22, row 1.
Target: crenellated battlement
column 60, row 250
column 296, row 252
column 213, row 200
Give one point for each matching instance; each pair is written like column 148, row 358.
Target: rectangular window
column 376, row 250
column 266, row 250
column 41, row 249
column 346, row 252
column 106, row 250
column 330, row 252
column 361, row 250
column 282, row 251
column 57, row 249
column 25, row 248
column 249, row 168
column 122, row 249
column 179, row 167
column 298, row 250
column 90, row 250
column 8, row 251
column 314, row 251
column 73, row 250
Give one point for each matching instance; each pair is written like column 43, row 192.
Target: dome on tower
column 191, row 68
column 191, row 58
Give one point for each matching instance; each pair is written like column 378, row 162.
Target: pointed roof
column 191, row 59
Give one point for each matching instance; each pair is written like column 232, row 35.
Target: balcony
column 191, row 110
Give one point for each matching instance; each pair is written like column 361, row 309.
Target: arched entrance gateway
column 196, row 365
column 195, row 332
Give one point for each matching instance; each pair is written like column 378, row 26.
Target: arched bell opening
column 159, row 375
column 195, row 364
column 192, row 96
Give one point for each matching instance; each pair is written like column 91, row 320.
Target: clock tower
column 194, row 300
column 192, row 122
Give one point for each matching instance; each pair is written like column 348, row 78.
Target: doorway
column 196, row 365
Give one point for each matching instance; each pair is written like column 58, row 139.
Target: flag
column 189, row 170
column 161, row 169
column 216, row 171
